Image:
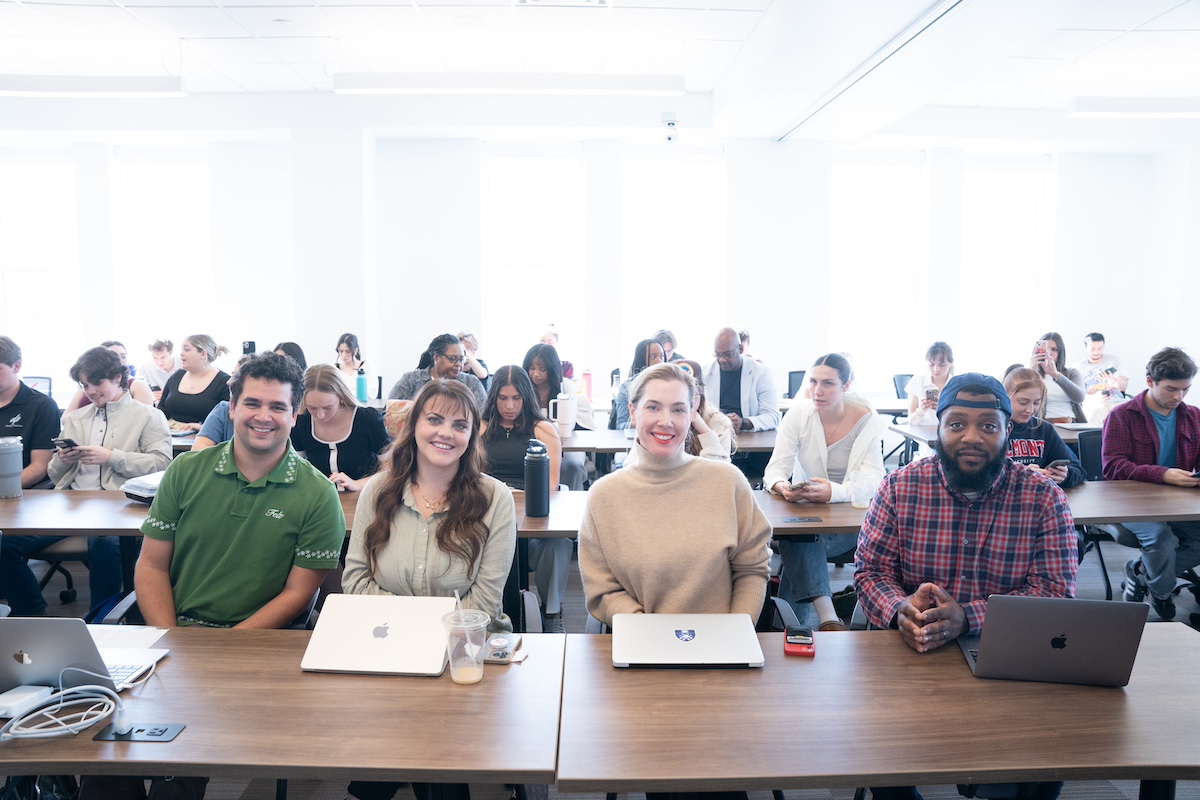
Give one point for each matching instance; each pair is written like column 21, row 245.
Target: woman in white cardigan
column 823, row 445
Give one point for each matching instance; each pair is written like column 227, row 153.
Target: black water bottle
column 537, row 480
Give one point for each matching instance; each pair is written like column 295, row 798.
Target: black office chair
column 899, row 382
column 796, row 382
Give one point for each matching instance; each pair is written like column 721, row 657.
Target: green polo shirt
column 236, row 540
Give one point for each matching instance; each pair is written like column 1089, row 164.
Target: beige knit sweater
column 675, row 535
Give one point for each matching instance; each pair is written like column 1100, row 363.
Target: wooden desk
column 598, row 441
column 755, row 441
column 832, row 517
column 868, row 711
column 1102, row 502
column 251, row 713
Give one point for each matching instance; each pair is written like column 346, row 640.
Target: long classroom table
column 867, row 710
column 252, row 713
column 606, row 441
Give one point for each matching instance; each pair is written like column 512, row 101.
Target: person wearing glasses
column 444, row 358
column 744, row 391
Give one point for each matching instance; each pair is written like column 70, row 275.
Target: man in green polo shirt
column 242, row 534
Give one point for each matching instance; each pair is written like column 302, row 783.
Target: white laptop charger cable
column 68, row 711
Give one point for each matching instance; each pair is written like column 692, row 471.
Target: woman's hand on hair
column 698, row 423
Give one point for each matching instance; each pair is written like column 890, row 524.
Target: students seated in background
column 944, row 533
column 238, row 535
column 294, row 351
column 218, row 425
column 923, row 387
column 192, row 392
column 117, row 438
column 1064, row 385
column 340, row 438
column 672, row 533
column 23, row 412
column 1104, row 378
column 1155, row 437
column 162, row 364
column 1033, row 442
column 442, row 359
column 647, row 352
column 667, row 340
column 542, row 365
column 349, row 362
column 138, row 389
column 823, row 445
column 433, row 522
column 550, row 337
column 471, row 363
column 510, row 419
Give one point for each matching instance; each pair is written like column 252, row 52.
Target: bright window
column 673, row 250
column 532, row 252
column 875, row 255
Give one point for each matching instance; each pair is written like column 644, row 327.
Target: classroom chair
column 71, row 548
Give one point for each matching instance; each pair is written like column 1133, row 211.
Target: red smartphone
column 798, row 641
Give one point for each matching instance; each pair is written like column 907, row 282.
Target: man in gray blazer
column 745, row 392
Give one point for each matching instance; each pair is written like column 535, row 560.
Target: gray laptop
column 1056, row 640
column 35, row 651
column 685, row 640
column 379, row 635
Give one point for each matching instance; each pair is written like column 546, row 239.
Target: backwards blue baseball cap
column 981, row 384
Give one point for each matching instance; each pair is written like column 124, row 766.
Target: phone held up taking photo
column 798, row 641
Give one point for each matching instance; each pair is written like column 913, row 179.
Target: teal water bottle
column 360, row 385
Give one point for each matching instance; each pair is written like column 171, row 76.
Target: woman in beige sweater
column 643, row 547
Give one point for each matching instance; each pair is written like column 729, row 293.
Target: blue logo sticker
column 685, row 636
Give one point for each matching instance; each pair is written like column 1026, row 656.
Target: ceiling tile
column 300, row 49
column 373, row 20
column 93, row 21
column 255, row 3
column 1152, row 46
column 699, row 5
column 551, row 21
column 975, row 92
column 710, row 52
column 230, row 51
column 190, row 23
column 1116, row 15
column 319, row 75
column 1018, row 69
column 169, row 3
column 656, row 22
column 282, row 20
column 1184, row 17
column 468, row 21
column 740, row 5
column 1068, row 44
column 702, row 78
column 393, row 55
column 728, row 24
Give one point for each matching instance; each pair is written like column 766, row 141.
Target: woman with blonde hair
column 1032, row 441
column 337, row 436
column 634, row 538
column 191, row 392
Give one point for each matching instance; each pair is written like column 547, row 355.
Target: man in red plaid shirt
column 944, row 533
column 1155, row 437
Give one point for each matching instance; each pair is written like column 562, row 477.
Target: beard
column 969, row 482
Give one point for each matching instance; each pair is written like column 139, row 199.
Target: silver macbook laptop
column 1055, row 640
column 36, row 650
column 379, row 634
column 684, row 640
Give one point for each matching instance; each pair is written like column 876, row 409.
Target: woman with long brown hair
column 432, row 522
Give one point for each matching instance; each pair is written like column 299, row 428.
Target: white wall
column 321, row 225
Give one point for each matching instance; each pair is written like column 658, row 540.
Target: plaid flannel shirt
column 1130, row 449
column 1017, row 537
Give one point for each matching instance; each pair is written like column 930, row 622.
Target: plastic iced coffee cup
column 466, row 631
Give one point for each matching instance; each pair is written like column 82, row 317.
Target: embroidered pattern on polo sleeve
column 317, row 555
column 160, row 524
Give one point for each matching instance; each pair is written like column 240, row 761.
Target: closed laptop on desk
column 1092, row 642
column 37, row 651
column 684, row 640
column 380, row 635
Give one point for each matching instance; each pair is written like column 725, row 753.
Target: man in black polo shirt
column 23, row 412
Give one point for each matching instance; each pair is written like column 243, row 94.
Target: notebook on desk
column 685, row 640
column 379, row 635
column 35, row 651
column 1056, row 640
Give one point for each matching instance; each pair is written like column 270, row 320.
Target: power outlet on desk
column 143, row 732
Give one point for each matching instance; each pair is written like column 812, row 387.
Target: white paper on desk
column 129, row 636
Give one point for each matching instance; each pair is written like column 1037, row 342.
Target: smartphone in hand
column 64, row 444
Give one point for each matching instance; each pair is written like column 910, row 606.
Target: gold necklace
column 434, row 507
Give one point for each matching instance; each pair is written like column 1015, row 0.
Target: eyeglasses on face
column 725, row 355
column 455, row 360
